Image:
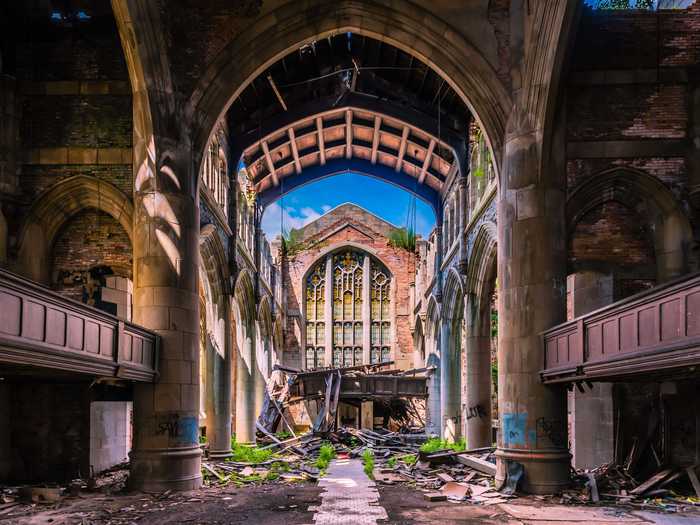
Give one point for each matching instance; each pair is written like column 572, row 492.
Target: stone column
column 5, row 432
column 367, row 415
column 478, row 373
column 259, row 380
column 592, row 412
column 432, row 407
column 219, row 396
column 166, row 453
column 531, row 299
column 3, row 239
column 450, row 380
column 245, row 398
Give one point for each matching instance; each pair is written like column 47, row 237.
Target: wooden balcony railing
column 41, row 328
column 656, row 331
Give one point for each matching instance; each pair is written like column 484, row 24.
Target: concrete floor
column 344, row 496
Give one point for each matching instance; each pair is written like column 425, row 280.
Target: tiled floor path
column 349, row 496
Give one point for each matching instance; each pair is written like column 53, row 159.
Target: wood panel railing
column 656, row 330
column 41, row 328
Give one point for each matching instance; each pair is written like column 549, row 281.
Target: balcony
column 40, row 328
column 655, row 333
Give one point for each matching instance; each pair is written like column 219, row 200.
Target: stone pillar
column 166, row 453
column 219, row 396
column 450, row 380
column 5, row 432
column 478, row 372
column 432, row 405
column 592, row 415
column 259, row 380
column 531, row 299
column 3, row 239
column 367, row 415
column 245, row 398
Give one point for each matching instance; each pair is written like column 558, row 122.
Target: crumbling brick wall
column 349, row 224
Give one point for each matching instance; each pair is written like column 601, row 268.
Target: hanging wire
column 353, row 69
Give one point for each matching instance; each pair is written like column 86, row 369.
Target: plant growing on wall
column 403, row 239
column 292, row 242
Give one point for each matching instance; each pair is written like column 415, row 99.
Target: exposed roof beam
column 295, row 151
column 277, row 92
column 348, row 134
column 375, row 138
column 402, row 149
column 416, row 119
column 426, row 162
column 270, row 164
column 321, row 145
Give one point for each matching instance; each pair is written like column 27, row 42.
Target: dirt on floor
column 273, row 504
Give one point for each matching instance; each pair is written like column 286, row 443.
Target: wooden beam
column 270, row 164
column 402, row 148
column 375, row 138
column 321, row 145
column 477, row 464
column 348, row 134
column 426, row 162
column 295, row 151
column 279, row 95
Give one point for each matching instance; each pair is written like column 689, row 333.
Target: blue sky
column 309, row 202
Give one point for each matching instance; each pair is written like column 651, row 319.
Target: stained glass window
column 349, row 294
column 381, row 324
column 315, row 317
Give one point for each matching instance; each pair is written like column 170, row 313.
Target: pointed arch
column 413, row 30
column 652, row 200
column 245, row 297
column 65, row 199
column 482, row 260
column 453, row 296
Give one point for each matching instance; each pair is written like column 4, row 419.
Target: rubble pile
column 670, row 488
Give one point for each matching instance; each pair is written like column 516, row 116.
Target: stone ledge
column 77, row 87
column 77, row 155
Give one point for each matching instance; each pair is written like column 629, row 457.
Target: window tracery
column 353, row 304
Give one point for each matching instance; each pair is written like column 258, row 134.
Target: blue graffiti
column 514, row 429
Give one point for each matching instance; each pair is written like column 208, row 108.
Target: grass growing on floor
column 249, row 454
column 368, row 463
column 409, row 459
column 435, row 444
column 392, row 462
column 325, row 455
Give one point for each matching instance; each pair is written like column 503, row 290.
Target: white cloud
column 293, row 218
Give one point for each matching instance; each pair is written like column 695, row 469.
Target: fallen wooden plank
column 214, row 472
column 477, row 464
column 656, row 478
column 694, row 479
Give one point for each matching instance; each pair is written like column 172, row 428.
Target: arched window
column 214, row 172
column 315, row 314
column 358, row 314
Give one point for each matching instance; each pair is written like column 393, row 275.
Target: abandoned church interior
column 520, row 345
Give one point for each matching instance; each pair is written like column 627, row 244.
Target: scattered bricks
column 435, row 496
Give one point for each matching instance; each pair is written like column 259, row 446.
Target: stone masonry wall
column 349, row 224
column 630, row 104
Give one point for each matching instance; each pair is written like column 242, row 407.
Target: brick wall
column 73, row 101
column 349, row 224
column 629, row 104
column 89, row 240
